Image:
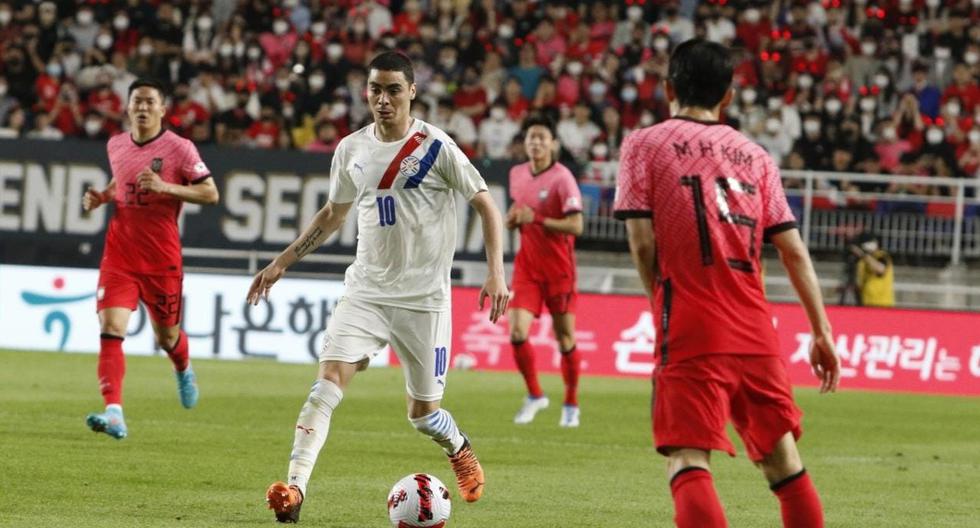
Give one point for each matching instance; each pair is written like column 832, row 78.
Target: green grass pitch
column 879, row 460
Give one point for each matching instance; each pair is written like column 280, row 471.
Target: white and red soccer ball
column 419, row 501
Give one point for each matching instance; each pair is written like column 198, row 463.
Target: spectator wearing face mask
column 678, row 27
column 278, row 44
column 470, row 98
column 14, row 126
column 890, row 147
column 925, row 92
column 496, row 133
column 968, row 158
column 84, row 28
column 775, row 139
column 753, row 26
column 937, row 148
column 811, row 145
column 964, row 88
column 43, row 129
column 577, row 133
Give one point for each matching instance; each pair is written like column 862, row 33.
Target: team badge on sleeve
column 200, row 168
column 572, row 202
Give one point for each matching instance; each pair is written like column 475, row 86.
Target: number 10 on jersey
column 386, row 210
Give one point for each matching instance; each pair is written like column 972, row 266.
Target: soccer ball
column 419, row 501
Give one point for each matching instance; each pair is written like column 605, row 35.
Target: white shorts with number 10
column 421, row 340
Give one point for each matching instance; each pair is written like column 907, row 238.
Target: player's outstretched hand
column 823, row 359
column 263, row 283
column 496, row 289
column 150, row 181
column 92, row 199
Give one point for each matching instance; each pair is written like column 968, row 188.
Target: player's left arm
column 639, row 233
column 203, row 192
column 496, row 285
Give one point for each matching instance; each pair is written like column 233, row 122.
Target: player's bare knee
column 682, row 458
column 167, row 338
column 363, row 364
column 417, row 409
column 784, row 461
column 566, row 343
column 518, row 338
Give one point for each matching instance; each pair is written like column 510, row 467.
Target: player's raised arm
column 92, row 198
column 327, row 220
column 796, row 260
column 496, row 286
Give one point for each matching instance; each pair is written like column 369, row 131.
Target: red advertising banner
column 880, row 349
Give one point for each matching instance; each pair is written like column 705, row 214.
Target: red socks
column 696, row 503
column 799, row 502
column 524, row 357
column 570, row 366
column 112, row 368
column 180, row 355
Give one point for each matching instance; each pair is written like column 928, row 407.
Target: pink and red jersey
column 713, row 196
column 143, row 235
column 545, row 255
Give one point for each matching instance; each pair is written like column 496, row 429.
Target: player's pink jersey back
column 714, row 195
column 553, row 193
column 143, row 235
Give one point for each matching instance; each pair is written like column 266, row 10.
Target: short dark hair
column 539, row 120
column 701, row 72
column 148, row 83
column 393, row 61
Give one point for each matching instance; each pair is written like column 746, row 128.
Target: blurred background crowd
column 863, row 86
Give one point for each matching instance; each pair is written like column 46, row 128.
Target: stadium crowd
column 883, row 87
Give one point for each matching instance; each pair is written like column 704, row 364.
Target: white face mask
column 226, row 49
column 748, row 96
column 437, row 89
column 867, row 104
column 317, row 82
column 205, row 23
column 334, row 51
column 953, row 108
column 661, row 44
column 971, row 57
column 145, row 50
column 805, row 81
column 646, row 119
column 319, row 29
column 85, row 17
column 280, row 27
column 889, row 133
column 974, row 136
column 811, row 126
column 282, row 84
column 628, row 94
column 121, row 23
column 881, row 81
column 597, row 89
column 338, row 110
column 54, row 69
column 497, row 113
column 93, row 126
column 505, row 32
column 774, row 103
column 932, row 3
column 942, row 53
column 870, row 247
column 5, row 17
column 634, row 13
column 773, row 125
column 832, row 106
column 600, row 150
column 254, row 53
column 752, row 15
column 575, row 68
column 288, row 111
column 104, row 41
column 869, row 48
column 934, row 136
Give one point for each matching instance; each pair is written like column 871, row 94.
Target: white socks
column 311, row 431
column 441, row 427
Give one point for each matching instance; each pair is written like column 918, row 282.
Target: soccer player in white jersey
column 401, row 174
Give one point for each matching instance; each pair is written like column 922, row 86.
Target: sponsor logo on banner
column 54, row 309
column 878, row 347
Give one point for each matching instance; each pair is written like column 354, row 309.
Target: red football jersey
column 713, row 196
column 545, row 255
column 143, row 235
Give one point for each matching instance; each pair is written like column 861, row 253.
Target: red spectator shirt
column 713, row 195
column 545, row 255
column 143, row 236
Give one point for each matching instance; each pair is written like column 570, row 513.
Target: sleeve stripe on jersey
column 396, row 163
column 424, row 165
column 776, row 229
column 196, row 181
column 632, row 213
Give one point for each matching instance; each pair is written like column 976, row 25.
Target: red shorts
column 694, row 399
column 161, row 294
column 559, row 296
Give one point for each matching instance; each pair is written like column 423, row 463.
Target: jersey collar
column 148, row 141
